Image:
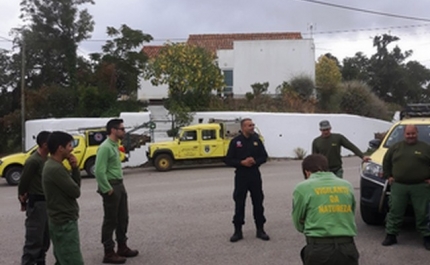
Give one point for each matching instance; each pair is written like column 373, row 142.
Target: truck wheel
column 371, row 216
column 163, row 162
column 13, row 175
column 90, row 167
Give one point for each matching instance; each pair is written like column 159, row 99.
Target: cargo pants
column 36, row 234
column 401, row 195
column 67, row 247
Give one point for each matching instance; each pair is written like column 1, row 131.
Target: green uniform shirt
column 330, row 148
column 61, row 192
column 408, row 164
column 31, row 178
column 324, row 206
column 108, row 164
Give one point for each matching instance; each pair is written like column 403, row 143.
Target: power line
column 366, row 11
column 368, row 29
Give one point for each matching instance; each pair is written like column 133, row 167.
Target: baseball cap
column 324, row 125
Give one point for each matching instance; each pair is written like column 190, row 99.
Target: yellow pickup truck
column 84, row 148
column 202, row 143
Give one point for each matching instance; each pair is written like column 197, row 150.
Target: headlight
column 372, row 170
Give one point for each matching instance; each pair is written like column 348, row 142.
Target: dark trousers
column 36, row 234
column 253, row 184
column 115, row 216
column 330, row 251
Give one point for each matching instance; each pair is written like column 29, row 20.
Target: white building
column 246, row 59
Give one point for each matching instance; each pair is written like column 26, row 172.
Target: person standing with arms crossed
column 406, row 166
column 62, row 191
column 329, row 144
column 246, row 153
column 108, row 173
column 32, row 199
column 323, row 210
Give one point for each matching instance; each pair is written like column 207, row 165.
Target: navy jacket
column 240, row 148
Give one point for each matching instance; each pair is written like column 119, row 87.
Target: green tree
column 356, row 68
column 191, row 73
column 328, row 77
column 53, row 32
column 123, row 54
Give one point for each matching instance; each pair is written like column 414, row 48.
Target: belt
column 329, row 240
column 36, row 197
column 115, row 181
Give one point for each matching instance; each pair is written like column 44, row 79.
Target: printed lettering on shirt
column 335, row 205
column 417, row 152
column 333, row 144
column 255, row 144
column 238, row 144
column 331, row 190
column 335, row 208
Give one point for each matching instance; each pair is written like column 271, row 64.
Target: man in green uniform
column 61, row 192
column 329, row 144
column 406, row 165
column 32, row 198
column 323, row 210
column 115, row 204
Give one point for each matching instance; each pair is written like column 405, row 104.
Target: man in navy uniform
column 246, row 153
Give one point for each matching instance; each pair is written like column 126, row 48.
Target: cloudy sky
column 340, row 31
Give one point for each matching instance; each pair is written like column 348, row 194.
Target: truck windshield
column 396, row 134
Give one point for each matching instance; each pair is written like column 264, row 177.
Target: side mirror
column 375, row 143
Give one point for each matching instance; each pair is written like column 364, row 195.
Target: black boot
column 262, row 234
column 389, row 240
column 237, row 234
column 427, row 242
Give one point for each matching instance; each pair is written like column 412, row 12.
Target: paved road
column 184, row 217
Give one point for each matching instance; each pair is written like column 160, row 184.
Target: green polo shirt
column 324, row 206
column 108, row 165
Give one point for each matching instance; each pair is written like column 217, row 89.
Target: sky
column 339, row 31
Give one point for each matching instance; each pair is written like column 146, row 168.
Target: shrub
column 300, row 153
column 357, row 98
column 303, row 85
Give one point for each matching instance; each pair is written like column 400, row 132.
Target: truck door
column 188, row 145
column 79, row 146
column 211, row 145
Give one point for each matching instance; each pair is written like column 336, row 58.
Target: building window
column 228, row 80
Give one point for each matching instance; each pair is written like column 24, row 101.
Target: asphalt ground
column 184, row 217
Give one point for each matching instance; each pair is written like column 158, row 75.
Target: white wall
column 225, row 59
column 272, row 61
column 283, row 132
column 148, row 91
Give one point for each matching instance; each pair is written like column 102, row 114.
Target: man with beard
column 246, row 153
column 406, row 165
column 108, row 173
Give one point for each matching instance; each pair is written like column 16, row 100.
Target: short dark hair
column 57, row 139
column 242, row 121
column 315, row 163
column 114, row 123
column 42, row 138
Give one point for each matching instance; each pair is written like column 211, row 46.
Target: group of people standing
column 48, row 194
column 324, row 203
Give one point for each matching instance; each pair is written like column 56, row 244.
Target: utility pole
column 22, row 94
